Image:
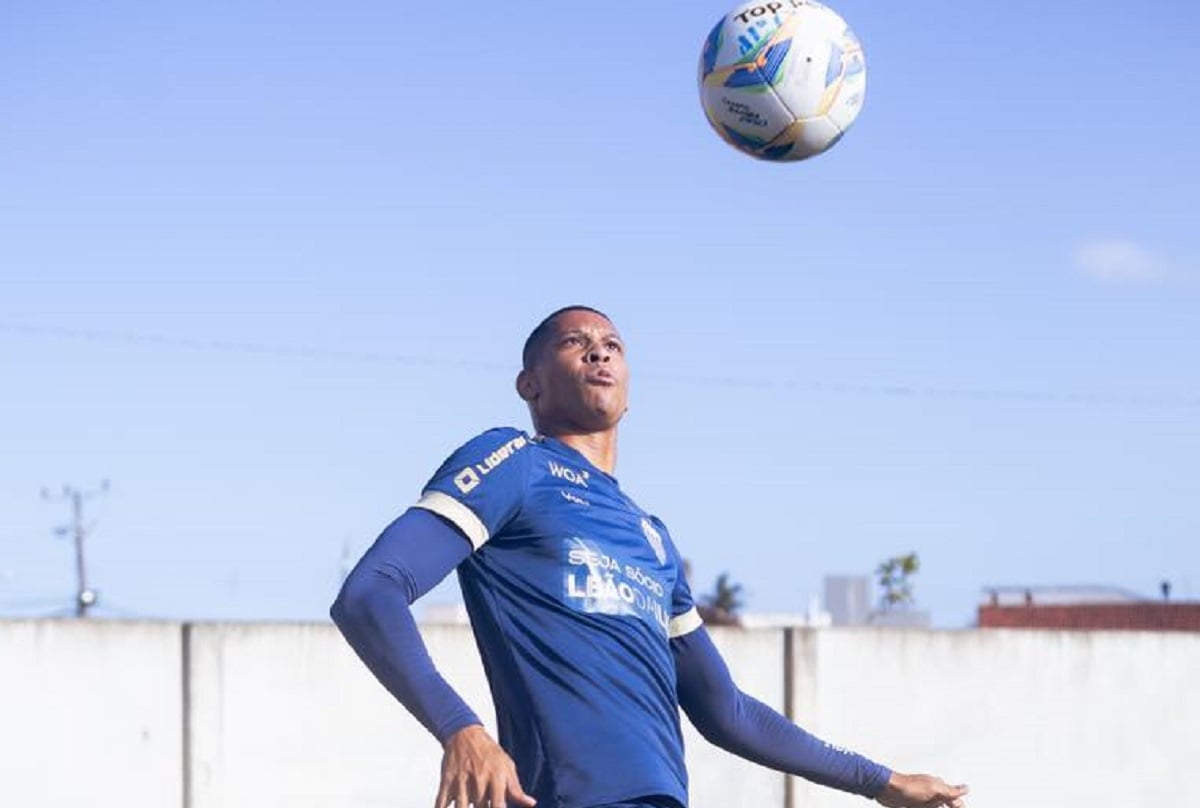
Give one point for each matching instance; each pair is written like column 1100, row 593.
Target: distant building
column 848, row 602
column 1087, row 608
column 812, row 617
column 848, row 599
column 901, row 618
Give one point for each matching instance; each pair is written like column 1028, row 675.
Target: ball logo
column 773, row 8
column 656, row 542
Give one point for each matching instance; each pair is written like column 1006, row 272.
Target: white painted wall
column 717, row 778
column 1036, row 719
column 285, row 715
column 90, row 714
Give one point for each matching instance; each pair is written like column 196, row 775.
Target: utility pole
column 85, row 598
column 347, row 559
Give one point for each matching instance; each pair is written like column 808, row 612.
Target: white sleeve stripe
column 684, row 623
column 459, row 514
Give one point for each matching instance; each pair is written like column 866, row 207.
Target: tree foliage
column 722, row 605
column 895, row 581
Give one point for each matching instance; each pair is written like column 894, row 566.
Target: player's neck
column 600, row 448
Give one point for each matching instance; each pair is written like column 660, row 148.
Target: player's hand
column 920, row 791
column 477, row 772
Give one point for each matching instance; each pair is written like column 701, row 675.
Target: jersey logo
column 569, row 497
column 570, row 475
column 598, row 583
column 656, row 542
column 468, row 478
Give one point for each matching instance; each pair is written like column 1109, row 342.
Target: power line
column 928, row 391
column 878, row 390
column 228, row 346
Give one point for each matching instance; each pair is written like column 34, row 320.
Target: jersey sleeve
column 685, row 617
column 481, row 487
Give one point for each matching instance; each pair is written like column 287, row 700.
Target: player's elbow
column 717, row 732
column 716, row 719
column 353, row 604
column 370, row 593
column 342, row 610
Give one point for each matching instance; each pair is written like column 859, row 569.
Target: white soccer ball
column 782, row 80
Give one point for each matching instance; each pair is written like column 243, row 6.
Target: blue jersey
column 574, row 592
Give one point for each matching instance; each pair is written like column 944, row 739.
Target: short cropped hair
column 537, row 337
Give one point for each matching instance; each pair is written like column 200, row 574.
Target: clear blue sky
column 971, row 330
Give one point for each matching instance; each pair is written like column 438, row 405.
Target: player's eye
column 614, row 346
column 572, row 340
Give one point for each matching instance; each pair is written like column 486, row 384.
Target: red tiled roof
column 1143, row 616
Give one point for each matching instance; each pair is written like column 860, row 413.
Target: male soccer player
column 587, row 629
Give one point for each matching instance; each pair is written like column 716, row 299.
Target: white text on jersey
column 570, row 475
column 469, row 477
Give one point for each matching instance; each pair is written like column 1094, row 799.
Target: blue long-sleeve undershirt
column 418, row 550
column 373, row 612
column 741, row 724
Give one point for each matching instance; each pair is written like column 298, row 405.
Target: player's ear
column 527, row 386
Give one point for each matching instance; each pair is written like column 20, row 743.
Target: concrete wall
column 1060, row 720
column 90, row 714
column 285, row 715
column 755, row 658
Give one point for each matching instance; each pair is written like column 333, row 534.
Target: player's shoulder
column 492, row 446
column 491, row 440
column 501, row 449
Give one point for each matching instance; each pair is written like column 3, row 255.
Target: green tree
column 895, row 581
column 721, row 606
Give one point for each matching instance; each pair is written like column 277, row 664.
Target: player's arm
column 729, row 718
column 373, row 612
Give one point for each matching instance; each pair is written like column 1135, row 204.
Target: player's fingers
column 517, row 793
column 443, row 795
column 946, row 795
column 462, row 800
column 955, row 796
column 495, row 793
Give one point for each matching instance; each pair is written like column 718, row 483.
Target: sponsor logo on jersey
column 570, row 475
column 656, row 542
column 466, row 480
column 471, row 476
column 596, row 582
column 570, row 497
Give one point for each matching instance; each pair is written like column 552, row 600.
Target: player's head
column 574, row 377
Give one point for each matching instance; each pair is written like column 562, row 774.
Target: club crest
column 656, row 542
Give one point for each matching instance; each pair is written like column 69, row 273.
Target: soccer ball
column 782, row 80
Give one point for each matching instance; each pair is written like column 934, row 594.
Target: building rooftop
column 1094, row 608
column 1066, row 595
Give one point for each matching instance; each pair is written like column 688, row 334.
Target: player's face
column 580, row 382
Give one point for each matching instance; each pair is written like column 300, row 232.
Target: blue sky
column 263, row 265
